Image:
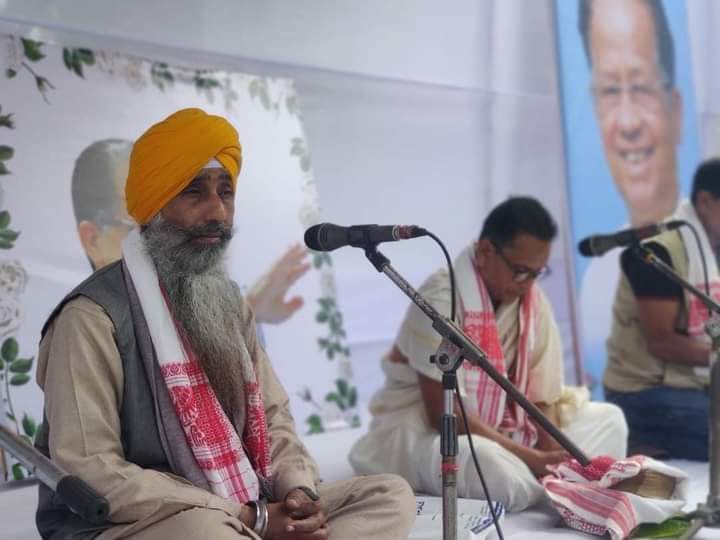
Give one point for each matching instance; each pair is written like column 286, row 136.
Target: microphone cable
column 493, row 512
column 451, row 271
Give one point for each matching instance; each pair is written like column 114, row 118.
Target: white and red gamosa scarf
column 587, row 501
column 484, row 397
column 230, row 464
column 697, row 311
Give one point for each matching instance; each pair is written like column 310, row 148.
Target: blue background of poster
column 595, row 204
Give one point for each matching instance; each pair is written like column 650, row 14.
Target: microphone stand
column 707, row 514
column 463, row 348
column 71, row 490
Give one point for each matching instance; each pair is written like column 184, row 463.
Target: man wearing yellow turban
column 98, row 184
column 157, row 393
column 169, row 154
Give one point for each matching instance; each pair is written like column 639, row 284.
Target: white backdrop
column 416, row 111
column 415, row 114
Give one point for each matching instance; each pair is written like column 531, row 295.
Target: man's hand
column 267, row 296
column 548, row 443
column 538, row 460
column 298, row 518
column 299, row 504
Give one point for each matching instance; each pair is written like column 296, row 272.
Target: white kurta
column 402, row 441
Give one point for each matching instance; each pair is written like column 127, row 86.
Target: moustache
column 210, row 229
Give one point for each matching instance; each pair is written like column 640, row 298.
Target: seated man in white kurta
column 504, row 311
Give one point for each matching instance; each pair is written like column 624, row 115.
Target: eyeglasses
column 646, row 94
column 521, row 274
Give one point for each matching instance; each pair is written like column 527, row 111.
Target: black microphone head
column 585, row 247
column 599, row 244
column 311, row 237
column 326, row 237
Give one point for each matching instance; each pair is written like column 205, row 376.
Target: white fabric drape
column 415, row 112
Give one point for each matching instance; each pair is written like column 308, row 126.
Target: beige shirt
column 417, row 340
column 630, row 366
column 81, row 373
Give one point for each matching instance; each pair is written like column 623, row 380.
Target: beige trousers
column 372, row 507
column 400, row 448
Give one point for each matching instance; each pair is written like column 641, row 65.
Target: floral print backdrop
column 56, row 100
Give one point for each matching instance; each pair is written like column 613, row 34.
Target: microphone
column 327, row 237
column 599, row 244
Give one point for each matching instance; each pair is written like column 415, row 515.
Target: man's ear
column 483, row 247
column 88, row 233
column 702, row 200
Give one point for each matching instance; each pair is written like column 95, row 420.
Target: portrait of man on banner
column 628, row 103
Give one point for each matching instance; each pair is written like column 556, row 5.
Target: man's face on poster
column 638, row 113
column 102, row 236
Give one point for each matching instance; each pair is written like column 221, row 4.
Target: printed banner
column 630, row 135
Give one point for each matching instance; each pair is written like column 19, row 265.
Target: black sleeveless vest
column 139, row 434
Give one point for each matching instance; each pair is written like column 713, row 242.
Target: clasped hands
column 297, row 518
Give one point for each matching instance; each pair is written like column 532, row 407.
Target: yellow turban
column 166, row 158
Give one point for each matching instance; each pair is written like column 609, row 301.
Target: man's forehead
column 626, row 66
column 525, row 248
column 625, row 24
column 629, row 50
column 206, row 173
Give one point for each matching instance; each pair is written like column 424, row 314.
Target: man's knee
column 196, row 523
column 616, row 430
column 601, row 429
column 394, row 493
column 507, row 477
column 615, row 419
column 516, row 491
column 394, row 488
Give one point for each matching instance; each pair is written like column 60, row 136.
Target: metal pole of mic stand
column 449, row 451
column 707, row 514
column 464, row 348
column 449, row 442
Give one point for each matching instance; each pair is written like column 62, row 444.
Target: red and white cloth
column 697, row 311
column 230, row 464
column 485, row 397
column 586, row 502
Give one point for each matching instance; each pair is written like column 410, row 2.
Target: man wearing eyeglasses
column 503, row 310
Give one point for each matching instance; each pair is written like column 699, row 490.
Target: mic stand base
column 704, row 516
